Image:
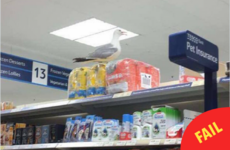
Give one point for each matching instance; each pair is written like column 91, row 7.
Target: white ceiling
column 26, row 25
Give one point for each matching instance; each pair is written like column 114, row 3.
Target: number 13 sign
column 39, row 73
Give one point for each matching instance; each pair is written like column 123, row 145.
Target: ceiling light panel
column 83, row 29
column 105, row 37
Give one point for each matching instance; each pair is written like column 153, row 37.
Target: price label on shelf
column 60, row 145
column 15, row 147
column 121, row 143
column 51, row 145
column 124, row 94
column 131, row 143
column 99, row 143
column 16, row 110
column 34, row 146
column 25, row 147
column 170, row 141
column 5, row 147
column 178, row 141
column 155, row 142
column 108, row 143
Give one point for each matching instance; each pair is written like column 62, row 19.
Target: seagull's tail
column 82, row 60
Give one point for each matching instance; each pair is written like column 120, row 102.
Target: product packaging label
column 97, row 131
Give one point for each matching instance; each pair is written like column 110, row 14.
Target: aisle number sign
column 192, row 51
column 34, row 72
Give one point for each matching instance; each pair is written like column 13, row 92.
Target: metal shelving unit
column 161, row 95
column 132, row 101
column 129, row 144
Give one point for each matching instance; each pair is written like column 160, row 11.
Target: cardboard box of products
column 31, row 135
column 3, row 130
column 18, row 136
column 24, row 136
column 9, row 132
column 17, row 126
column 7, row 105
column 38, row 135
column 56, row 133
column 45, row 133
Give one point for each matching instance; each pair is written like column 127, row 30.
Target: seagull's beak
column 123, row 33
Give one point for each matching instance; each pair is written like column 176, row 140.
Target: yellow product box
column 91, row 81
column 72, row 84
column 101, row 79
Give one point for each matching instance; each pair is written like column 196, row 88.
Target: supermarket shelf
column 138, row 143
column 96, row 105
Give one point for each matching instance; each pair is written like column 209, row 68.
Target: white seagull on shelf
column 105, row 53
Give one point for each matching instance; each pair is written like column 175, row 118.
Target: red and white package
column 130, row 75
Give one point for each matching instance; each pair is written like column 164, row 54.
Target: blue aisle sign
column 34, row 72
column 192, row 51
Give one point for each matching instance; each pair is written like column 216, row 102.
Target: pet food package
column 9, row 134
column 17, row 126
column 81, row 131
column 31, row 135
column 146, row 128
column 130, row 75
column 82, row 82
column 101, row 79
column 75, row 128
column 175, row 131
column 89, row 127
column 45, row 133
column 187, row 75
column 18, row 136
column 3, row 132
column 7, row 105
column 147, row 76
column 38, row 135
column 68, row 128
column 78, row 83
column 110, row 130
column 56, row 133
column 164, row 117
column 91, row 81
column 72, row 85
column 96, row 83
column 97, row 131
column 24, row 136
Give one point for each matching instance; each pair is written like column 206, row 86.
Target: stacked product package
column 7, row 105
column 80, row 129
column 95, row 128
column 49, row 133
column 87, row 82
column 21, row 133
column 106, row 130
column 157, row 123
column 10, row 134
column 115, row 77
column 130, row 75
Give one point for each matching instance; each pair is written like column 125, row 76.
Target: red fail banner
column 210, row 130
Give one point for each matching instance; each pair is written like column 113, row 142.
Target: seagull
column 105, row 53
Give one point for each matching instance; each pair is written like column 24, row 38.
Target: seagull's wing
column 103, row 52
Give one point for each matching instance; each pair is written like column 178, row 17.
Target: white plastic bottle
column 136, row 132
column 146, row 130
